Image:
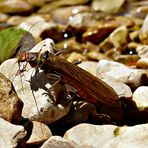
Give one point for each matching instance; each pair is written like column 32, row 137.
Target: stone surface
column 11, row 134
column 15, row 6
column 10, row 104
column 39, row 133
column 63, row 14
column 59, row 142
column 142, row 63
column 133, row 137
column 142, row 51
column 132, row 77
column 89, row 66
column 140, row 96
column 33, row 90
column 119, row 38
column 107, row 5
column 88, row 135
column 144, row 32
column 35, row 25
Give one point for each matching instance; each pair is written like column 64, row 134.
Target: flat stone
column 40, row 133
column 142, row 51
column 144, row 31
column 33, row 90
column 142, row 63
column 135, row 136
column 88, row 135
column 140, row 96
column 130, row 76
column 63, row 14
column 10, row 104
column 11, row 135
column 57, row 141
column 15, row 6
column 106, row 6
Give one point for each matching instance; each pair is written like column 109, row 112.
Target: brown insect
column 88, row 86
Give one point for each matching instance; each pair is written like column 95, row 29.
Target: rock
column 119, row 38
column 55, row 4
column 80, row 20
column 70, row 45
column 88, row 135
column 142, row 63
column 89, row 66
column 57, row 141
column 142, row 51
column 122, row 90
column 15, row 6
column 10, row 104
column 106, row 6
column 135, row 136
column 133, row 77
column 3, row 17
column 36, row 25
column 63, row 14
column 127, row 59
column 76, row 57
column 11, row 135
column 144, row 31
column 140, row 96
column 97, row 34
column 39, row 133
column 33, row 89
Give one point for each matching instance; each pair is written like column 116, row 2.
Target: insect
column 88, row 86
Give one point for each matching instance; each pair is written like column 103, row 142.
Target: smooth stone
column 133, row 137
column 33, row 90
column 81, row 20
column 144, row 31
column 140, row 96
column 56, row 4
column 133, row 77
column 76, row 57
column 107, row 6
column 11, row 135
column 36, row 25
column 15, row 6
column 97, row 34
column 10, row 104
column 142, row 51
column 119, row 38
column 63, row 14
column 59, row 142
column 88, row 135
column 3, row 17
column 40, row 133
column 129, row 59
column 123, row 91
column 142, row 63
column 89, row 66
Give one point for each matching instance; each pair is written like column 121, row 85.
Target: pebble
column 106, row 6
column 144, row 31
column 39, row 134
column 142, row 51
column 142, row 63
column 57, row 141
column 140, row 96
column 11, row 135
column 133, row 77
column 10, row 104
column 109, row 136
